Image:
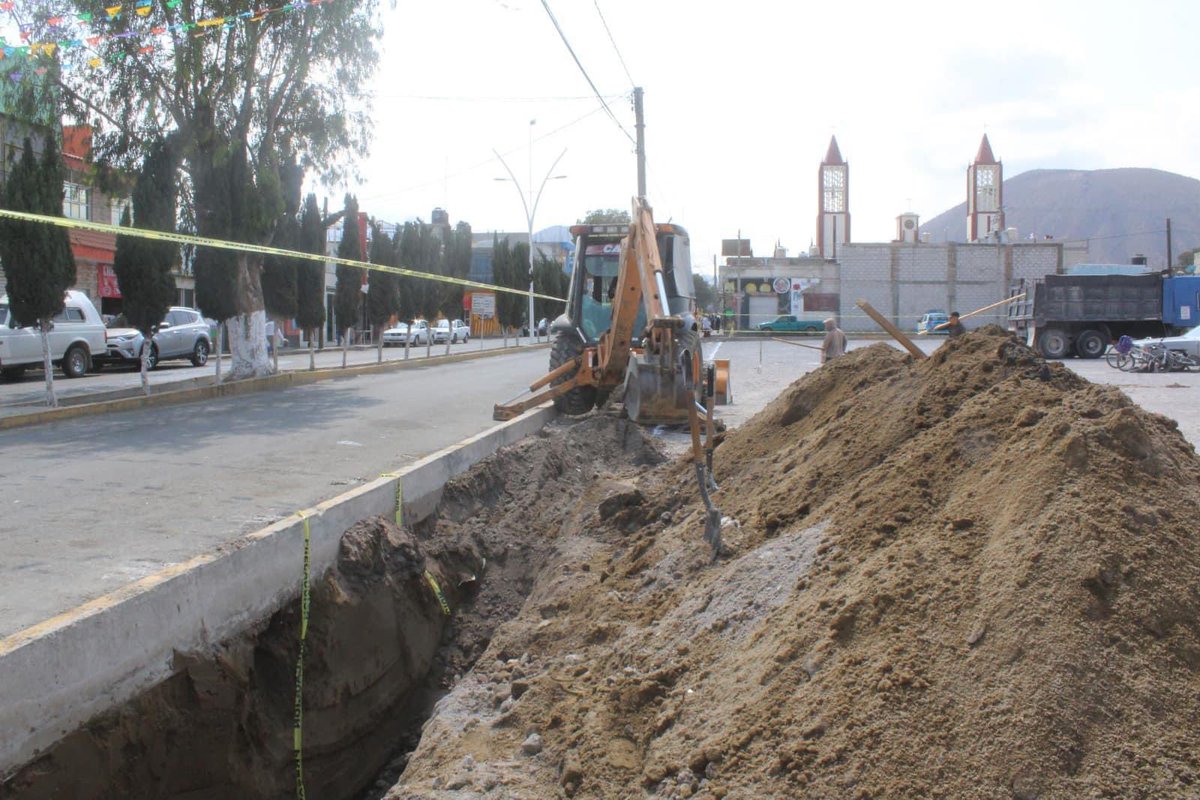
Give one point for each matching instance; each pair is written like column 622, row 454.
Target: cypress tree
column 143, row 266
column 347, row 300
column 216, row 270
column 37, row 259
column 407, row 247
column 279, row 275
column 310, row 276
column 383, row 294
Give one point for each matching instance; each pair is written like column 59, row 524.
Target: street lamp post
column 530, row 205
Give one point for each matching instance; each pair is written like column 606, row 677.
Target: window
column 75, row 200
column 118, row 209
column 70, row 314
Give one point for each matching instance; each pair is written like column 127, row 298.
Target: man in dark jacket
column 954, row 327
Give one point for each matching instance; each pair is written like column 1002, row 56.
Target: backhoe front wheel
column 579, row 400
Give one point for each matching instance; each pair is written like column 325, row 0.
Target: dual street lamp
column 530, row 205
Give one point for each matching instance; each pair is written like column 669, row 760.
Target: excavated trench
column 379, row 649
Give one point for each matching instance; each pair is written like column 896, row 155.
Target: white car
column 401, row 334
column 456, row 331
column 1188, row 342
column 182, row 334
column 77, row 335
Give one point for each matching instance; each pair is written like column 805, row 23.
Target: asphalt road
column 88, row 505
column 28, row 392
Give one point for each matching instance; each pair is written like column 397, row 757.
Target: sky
column 742, row 97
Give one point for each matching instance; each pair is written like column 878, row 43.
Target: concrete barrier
column 61, row 673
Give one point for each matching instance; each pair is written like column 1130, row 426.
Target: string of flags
column 113, row 13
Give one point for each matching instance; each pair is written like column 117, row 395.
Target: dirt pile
column 970, row 576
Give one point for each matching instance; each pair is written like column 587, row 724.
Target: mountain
column 1121, row 212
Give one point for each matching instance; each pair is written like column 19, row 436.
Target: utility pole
column 1170, row 263
column 641, row 141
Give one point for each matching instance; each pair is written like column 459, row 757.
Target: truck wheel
column 1090, row 344
column 1054, row 343
column 577, row 401
column 75, row 362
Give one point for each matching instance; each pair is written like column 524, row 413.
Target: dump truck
column 1061, row 315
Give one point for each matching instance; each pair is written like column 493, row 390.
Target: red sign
column 106, row 279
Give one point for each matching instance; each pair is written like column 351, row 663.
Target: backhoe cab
column 629, row 324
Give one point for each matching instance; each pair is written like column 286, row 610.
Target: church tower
column 985, row 195
column 833, row 202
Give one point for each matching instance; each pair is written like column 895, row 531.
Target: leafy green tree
column 510, row 268
column 383, row 295
column 310, row 278
column 347, row 299
column 600, row 216
column 549, row 279
column 706, row 296
column 242, row 97
column 143, row 266
column 280, row 274
column 37, row 259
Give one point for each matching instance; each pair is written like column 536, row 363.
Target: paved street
column 90, row 504
column 28, row 393
column 87, row 505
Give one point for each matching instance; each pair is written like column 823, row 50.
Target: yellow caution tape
column 399, row 496
column 298, row 708
column 245, row 247
column 437, row 590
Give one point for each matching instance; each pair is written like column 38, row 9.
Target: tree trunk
column 51, row 399
column 408, row 340
column 275, row 339
column 504, row 330
column 449, row 338
column 220, row 347
column 428, row 342
column 145, row 364
column 345, row 345
column 379, row 341
column 312, row 353
column 248, row 328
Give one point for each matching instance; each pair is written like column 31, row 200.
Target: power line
column 586, row 77
column 487, row 99
column 620, row 58
column 481, row 164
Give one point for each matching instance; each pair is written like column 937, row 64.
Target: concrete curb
column 64, row 671
column 283, row 380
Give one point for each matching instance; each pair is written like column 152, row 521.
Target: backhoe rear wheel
column 577, row 401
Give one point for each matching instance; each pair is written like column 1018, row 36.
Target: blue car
column 931, row 320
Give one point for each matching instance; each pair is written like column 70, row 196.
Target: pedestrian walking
column 835, row 341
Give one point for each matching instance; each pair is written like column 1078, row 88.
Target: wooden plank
column 895, row 332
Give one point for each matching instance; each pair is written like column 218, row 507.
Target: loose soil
column 970, row 576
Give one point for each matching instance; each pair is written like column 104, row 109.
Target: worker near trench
column 834, row 344
column 954, row 326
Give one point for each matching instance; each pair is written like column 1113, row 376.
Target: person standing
column 954, row 326
column 835, row 341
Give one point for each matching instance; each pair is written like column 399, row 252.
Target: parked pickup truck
column 1082, row 314
column 78, row 333
column 787, row 323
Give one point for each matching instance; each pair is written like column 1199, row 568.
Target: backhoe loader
column 630, row 327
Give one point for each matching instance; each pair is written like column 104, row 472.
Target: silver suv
column 182, row 334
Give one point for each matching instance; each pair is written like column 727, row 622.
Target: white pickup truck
column 78, row 332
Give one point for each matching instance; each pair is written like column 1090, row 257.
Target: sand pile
column 972, row 576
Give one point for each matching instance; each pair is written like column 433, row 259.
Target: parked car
column 183, row 333
column 457, row 331
column 929, row 323
column 76, row 338
column 1187, row 343
column 400, row 334
column 787, row 323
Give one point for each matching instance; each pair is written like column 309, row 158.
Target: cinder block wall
column 903, row 281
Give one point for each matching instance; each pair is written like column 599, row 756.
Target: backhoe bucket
column 654, row 395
